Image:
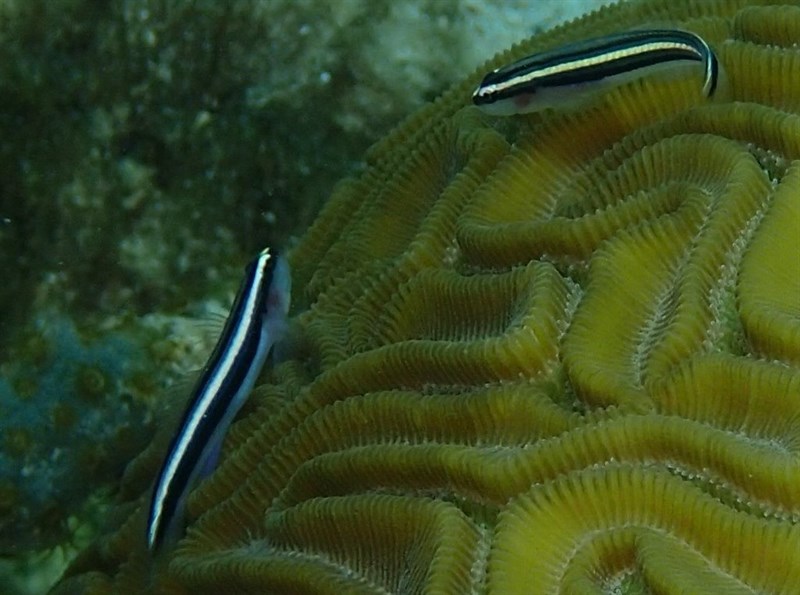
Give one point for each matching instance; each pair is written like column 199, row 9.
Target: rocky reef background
column 147, row 149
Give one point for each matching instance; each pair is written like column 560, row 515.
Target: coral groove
column 554, row 353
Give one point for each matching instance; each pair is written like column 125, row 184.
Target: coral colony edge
column 557, row 351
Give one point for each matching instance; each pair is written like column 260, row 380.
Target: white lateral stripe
column 249, row 318
column 586, row 66
column 593, row 61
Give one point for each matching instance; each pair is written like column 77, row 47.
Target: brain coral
column 548, row 353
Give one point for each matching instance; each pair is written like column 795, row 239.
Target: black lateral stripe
column 712, row 74
column 229, row 384
column 598, row 58
column 601, row 46
column 232, row 324
column 208, row 423
column 613, row 66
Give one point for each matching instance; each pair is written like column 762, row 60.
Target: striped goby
column 566, row 76
column 256, row 321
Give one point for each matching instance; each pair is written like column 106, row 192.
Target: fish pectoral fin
column 210, row 461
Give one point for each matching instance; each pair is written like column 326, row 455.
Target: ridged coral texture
column 552, row 353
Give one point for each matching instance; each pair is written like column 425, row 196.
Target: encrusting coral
column 549, row 353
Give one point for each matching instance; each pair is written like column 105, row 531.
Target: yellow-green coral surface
column 554, row 353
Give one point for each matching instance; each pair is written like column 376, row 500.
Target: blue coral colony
column 256, row 321
column 566, row 76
